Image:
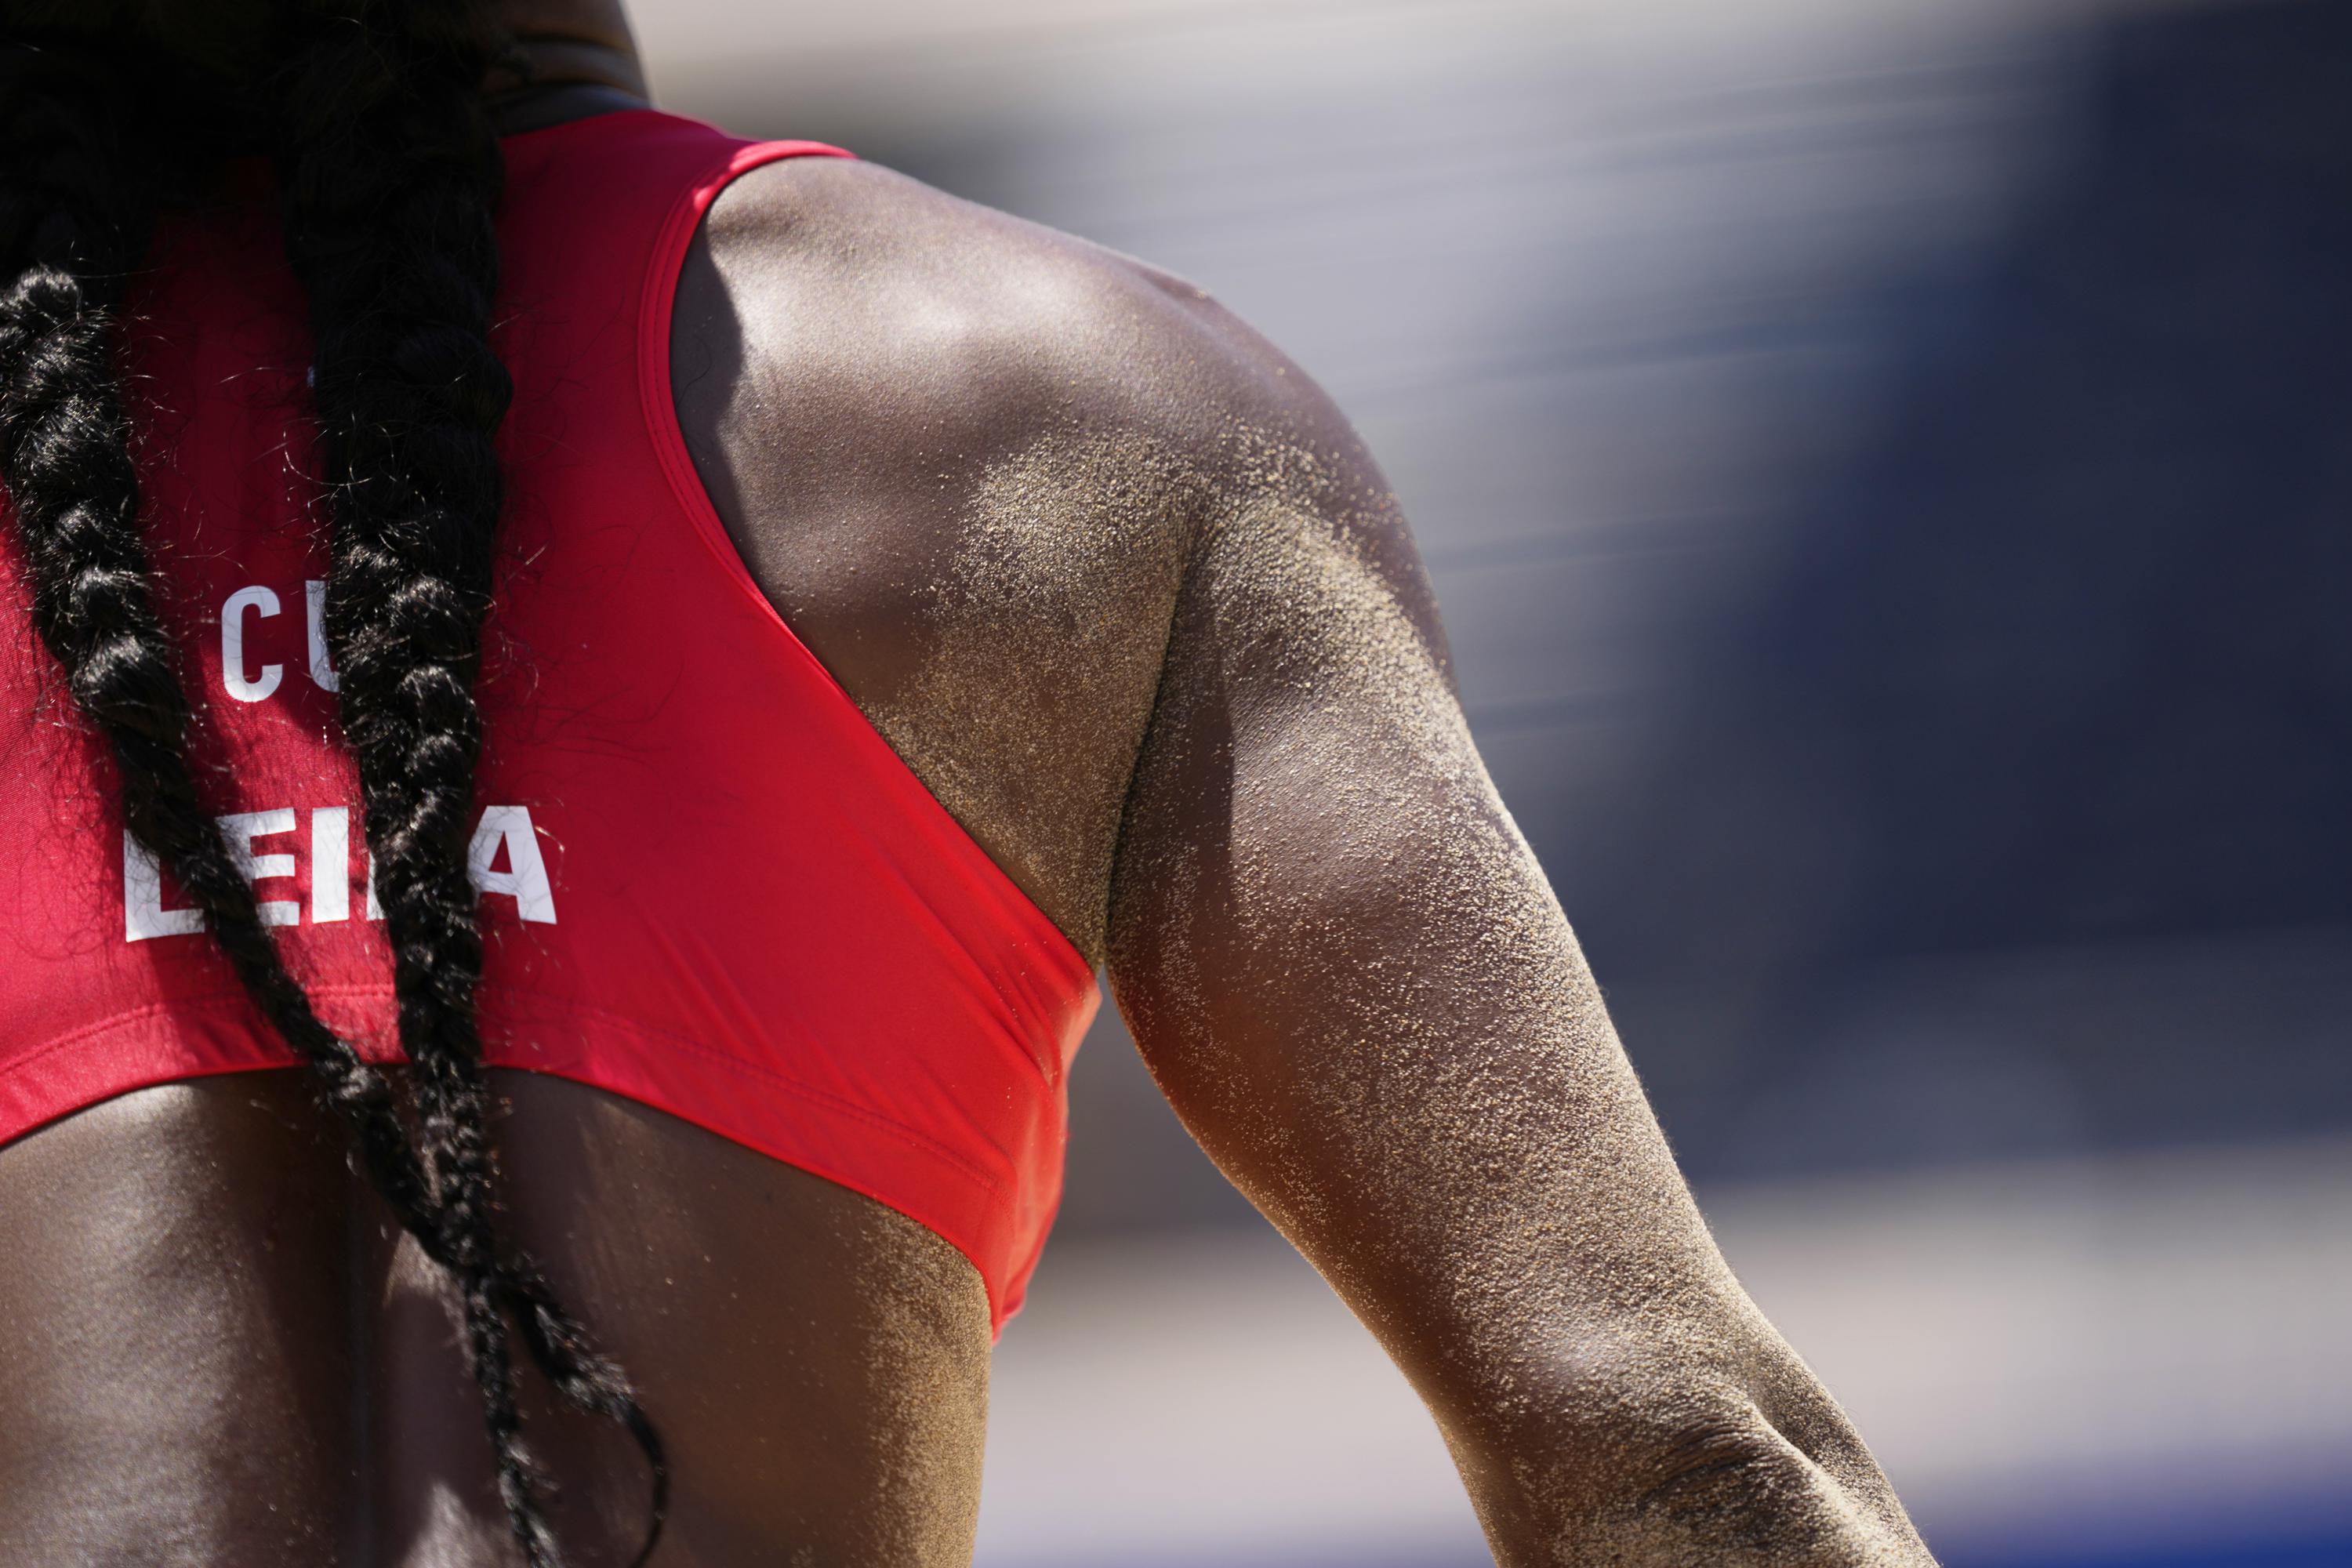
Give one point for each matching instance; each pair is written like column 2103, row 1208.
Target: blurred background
column 1887, row 465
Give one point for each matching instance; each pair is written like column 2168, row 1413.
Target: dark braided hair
column 391, row 172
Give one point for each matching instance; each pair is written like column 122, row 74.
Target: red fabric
column 761, row 922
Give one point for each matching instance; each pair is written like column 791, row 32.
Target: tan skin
column 983, row 470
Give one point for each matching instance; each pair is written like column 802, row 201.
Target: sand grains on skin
column 930, row 1378
column 1045, row 635
column 1463, row 1087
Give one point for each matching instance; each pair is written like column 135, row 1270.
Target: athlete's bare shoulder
column 967, row 455
column 947, row 321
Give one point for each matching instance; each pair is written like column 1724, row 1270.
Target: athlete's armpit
column 1349, row 974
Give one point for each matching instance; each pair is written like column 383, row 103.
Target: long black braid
column 391, row 172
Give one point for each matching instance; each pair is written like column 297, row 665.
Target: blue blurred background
column 1887, row 465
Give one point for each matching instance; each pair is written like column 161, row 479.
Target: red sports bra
column 709, row 885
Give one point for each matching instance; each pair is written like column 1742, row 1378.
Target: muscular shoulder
column 880, row 305
column 966, row 457
column 972, row 461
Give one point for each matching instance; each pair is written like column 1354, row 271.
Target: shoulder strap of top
column 733, row 160
column 598, row 218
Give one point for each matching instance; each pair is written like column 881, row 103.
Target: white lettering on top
column 240, row 831
column 322, row 669
column 143, row 914
column 239, row 613
column 261, row 601
column 502, row 827
column 330, row 866
column 525, row 878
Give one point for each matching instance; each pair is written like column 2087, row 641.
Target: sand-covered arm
column 1352, row 980
column 1072, row 536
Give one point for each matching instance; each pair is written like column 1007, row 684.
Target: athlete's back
column 1128, row 600
column 830, row 1387
column 976, row 512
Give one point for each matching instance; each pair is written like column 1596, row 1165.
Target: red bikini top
column 709, row 885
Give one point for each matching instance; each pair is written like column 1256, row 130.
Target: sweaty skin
column 1127, row 595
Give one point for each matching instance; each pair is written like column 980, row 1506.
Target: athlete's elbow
column 1653, row 1472
column 1735, row 1488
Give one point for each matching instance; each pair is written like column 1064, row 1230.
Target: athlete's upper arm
column 1336, row 950
column 1349, row 974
